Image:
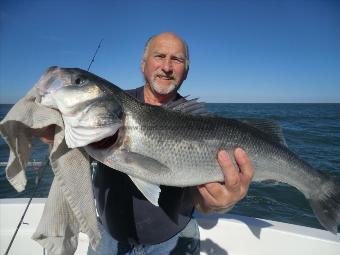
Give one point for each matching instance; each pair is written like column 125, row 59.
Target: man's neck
column 153, row 98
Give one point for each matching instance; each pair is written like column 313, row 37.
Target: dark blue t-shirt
column 128, row 216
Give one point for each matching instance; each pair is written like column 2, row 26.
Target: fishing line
column 40, row 173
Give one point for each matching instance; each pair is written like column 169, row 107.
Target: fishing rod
column 95, row 54
column 41, row 173
column 39, row 164
column 38, row 180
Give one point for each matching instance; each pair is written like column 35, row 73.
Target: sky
column 262, row 51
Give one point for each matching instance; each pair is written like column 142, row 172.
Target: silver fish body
column 160, row 146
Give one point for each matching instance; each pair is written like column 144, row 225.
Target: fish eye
column 80, row 81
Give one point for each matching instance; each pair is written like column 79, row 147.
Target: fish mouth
column 47, row 83
column 53, row 86
column 47, row 92
column 52, row 80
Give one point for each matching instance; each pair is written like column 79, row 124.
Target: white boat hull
column 227, row 235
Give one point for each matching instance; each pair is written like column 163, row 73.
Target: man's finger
column 217, row 190
column 216, row 197
column 231, row 174
column 245, row 165
column 246, row 170
column 208, row 198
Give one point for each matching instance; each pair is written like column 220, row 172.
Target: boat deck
column 227, row 235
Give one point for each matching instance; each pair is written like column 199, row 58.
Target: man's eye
column 178, row 60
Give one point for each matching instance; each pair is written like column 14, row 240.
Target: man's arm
column 221, row 197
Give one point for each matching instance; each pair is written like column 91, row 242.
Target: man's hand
column 223, row 196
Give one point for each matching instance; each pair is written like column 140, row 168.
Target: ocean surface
column 312, row 131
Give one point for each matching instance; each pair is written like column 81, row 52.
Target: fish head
column 89, row 109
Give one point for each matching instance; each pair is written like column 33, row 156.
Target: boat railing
column 37, row 163
column 32, row 163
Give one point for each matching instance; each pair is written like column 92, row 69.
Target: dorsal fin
column 191, row 106
column 270, row 127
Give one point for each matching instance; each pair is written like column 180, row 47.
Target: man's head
column 165, row 63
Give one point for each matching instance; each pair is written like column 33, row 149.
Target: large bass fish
column 176, row 145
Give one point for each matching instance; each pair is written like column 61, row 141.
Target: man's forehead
column 171, row 45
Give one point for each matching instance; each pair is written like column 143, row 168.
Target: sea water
column 312, row 131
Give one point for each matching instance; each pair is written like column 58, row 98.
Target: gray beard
column 164, row 91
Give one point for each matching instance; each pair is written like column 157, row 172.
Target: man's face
column 164, row 66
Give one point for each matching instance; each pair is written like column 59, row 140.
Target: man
column 129, row 223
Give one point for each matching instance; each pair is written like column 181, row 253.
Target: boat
column 227, row 234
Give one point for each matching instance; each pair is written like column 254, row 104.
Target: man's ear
column 186, row 74
column 143, row 65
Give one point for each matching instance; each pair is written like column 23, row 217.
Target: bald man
column 130, row 224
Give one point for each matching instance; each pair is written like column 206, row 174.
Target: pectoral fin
column 133, row 164
column 144, row 163
column 144, row 171
column 149, row 190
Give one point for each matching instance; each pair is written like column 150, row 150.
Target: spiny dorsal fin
column 191, row 106
column 270, row 127
column 194, row 107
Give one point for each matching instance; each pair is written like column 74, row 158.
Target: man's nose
column 167, row 65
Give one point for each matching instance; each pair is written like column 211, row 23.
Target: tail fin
column 327, row 207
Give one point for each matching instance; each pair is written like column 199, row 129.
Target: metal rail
column 32, row 163
column 38, row 163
